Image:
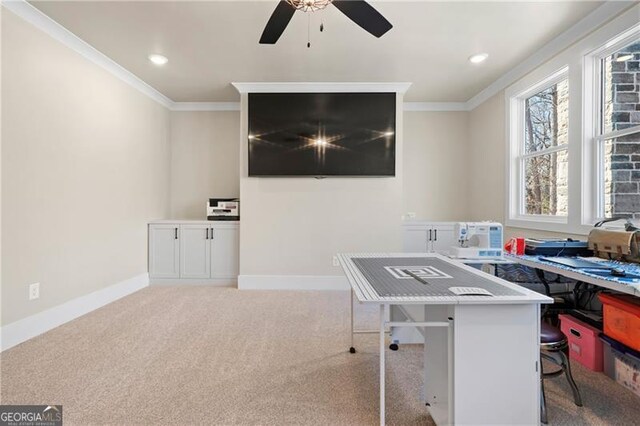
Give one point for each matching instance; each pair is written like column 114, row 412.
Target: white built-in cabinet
column 193, row 252
column 225, row 249
column 428, row 237
column 164, row 251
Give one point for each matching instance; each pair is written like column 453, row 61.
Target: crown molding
column 435, row 106
column 205, row 106
column 579, row 30
column 44, row 23
column 311, row 87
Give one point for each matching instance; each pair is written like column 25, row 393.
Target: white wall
column 486, row 152
column 85, row 165
column 293, row 226
column 435, row 162
column 205, row 160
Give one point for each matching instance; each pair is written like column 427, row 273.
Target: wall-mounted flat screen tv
column 322, row 134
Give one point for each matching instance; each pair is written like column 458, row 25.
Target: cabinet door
column 416, row 240
column 224, row 253
column 195, row 251
column 164, row 251
column 443, row 239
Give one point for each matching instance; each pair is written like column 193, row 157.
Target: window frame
column 518, row 156
column 593, row 122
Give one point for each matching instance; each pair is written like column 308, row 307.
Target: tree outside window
column 545, row 155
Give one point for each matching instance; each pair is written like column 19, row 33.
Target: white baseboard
column 292, row 282
column 27, row 328
column 213, row 282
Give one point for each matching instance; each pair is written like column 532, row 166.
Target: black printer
column 223, row 209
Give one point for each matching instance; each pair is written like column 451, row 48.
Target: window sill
column 554, row 225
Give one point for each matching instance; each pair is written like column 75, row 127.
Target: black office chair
column 554, row 347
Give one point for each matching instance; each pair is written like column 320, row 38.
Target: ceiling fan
column 359, row 11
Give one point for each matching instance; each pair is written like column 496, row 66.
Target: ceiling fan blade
column 363, row 14
column 277, row 23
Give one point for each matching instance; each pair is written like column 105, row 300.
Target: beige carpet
column 201, row 355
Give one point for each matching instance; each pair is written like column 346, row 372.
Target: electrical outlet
column 34, row 291
column 336, row 262
column 411, row 215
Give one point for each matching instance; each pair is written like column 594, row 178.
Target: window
column 573, row 133
column 618, row 131
column 540, row 142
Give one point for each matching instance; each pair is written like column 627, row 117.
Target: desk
column 611, row 283
column 481, row 357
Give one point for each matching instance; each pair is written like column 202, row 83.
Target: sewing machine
column 477, row 240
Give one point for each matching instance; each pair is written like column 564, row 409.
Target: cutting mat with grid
column 388, row 277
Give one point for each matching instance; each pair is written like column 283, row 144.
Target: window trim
column 515, row 141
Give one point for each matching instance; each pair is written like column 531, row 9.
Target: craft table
column 598, row 278
column 481, row 356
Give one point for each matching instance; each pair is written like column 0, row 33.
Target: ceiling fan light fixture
column 359, row 11
column 309, row 5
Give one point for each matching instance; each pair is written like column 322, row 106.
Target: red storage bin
column 622, row 318
column 585, row 345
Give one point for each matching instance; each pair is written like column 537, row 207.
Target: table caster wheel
column 393, row 346
column 352, row 350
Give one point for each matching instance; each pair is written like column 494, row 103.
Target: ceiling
column 211, row 44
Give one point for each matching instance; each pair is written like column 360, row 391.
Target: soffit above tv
column 319, row 87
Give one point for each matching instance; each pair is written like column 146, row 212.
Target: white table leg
column 352, row 349
column 382, row 363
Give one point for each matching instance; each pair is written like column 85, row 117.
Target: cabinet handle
column 207, row 234
column 212, row 233
column 430, row 234
column 176, row 233
column 435, row 234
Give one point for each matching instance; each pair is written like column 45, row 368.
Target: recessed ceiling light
column 624, row 57
column 158, row 59
column 478, row 57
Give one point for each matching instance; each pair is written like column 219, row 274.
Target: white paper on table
column 470, row 291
